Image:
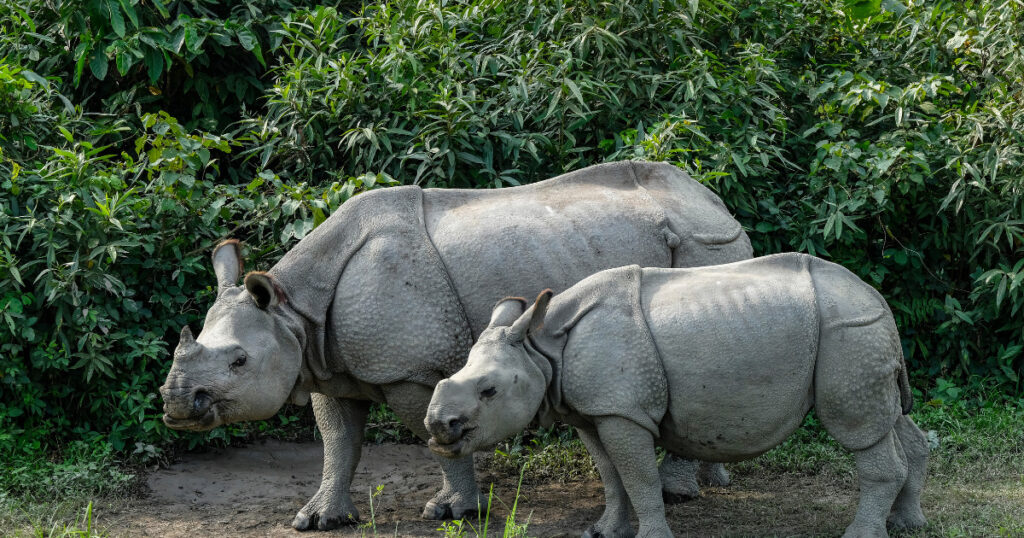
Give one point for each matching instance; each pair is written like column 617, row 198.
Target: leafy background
column 885, row 136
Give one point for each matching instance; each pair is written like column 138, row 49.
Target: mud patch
column 257, row 490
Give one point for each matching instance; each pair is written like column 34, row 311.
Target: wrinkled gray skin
column 385, row 298
column 713, row 363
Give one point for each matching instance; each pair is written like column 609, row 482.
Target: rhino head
column 247, row 359
column 499, row 390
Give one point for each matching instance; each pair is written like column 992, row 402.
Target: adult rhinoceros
column 386, row 297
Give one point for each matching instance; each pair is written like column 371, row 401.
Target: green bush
column 201, row 60
column 888, row 140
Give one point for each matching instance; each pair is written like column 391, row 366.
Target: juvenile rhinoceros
column 716, row 363
column 385, row 298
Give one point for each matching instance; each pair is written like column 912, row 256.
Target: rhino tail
column 906, row 396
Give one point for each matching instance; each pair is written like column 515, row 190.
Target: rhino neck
column 381, row 237
column 306, row 381
column 546, row 353
column 310, row 271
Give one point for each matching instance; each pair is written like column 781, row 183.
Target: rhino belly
column 716, row 417
column 501, row 244
column 739, row 345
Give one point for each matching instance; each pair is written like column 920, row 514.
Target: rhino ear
column 507, row 311
column 227, row 264
column 264, row 289
column 533, row 318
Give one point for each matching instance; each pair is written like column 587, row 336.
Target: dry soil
column 256, row 490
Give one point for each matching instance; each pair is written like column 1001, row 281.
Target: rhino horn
column 187, row 345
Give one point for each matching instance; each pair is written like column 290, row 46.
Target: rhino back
column 521, row 240
column 708, row 233
column 738, row 343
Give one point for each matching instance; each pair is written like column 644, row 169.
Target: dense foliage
column 135, row 135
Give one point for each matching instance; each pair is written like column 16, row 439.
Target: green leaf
column 80, row 57
column 130, row 11
column 246, row 38
column 863, row 9
column 161, row 8
column 154, row 61
column 98, row 64
column 116, row 19
column 124, row 62
column 193, row 40
column 1001, row 291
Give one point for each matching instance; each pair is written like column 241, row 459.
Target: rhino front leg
column 614, row 521
column 630, row 447
column 341, row 422
column 459, row 496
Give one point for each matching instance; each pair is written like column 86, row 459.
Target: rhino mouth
column 207, row 421
column 453, row 449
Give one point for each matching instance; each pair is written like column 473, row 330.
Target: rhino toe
column 594, row 532
column 302, row 522
column 437, row 512
column 305, row 522
column 441, row 511
column 906, row 521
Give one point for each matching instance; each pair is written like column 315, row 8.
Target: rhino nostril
column 455, row 422
column 201, row 402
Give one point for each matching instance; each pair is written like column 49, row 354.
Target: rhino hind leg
column 857, row 399
column 341, row 423
column 906, row 512
column 882, row 471
column 679, row 479
column 713, row 474
column 459, row 496
column 614, row 522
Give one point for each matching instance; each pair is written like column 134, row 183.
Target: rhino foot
column 904, row 521
column 713, row 474
column 318, row 514
column 594, row 532
column 440, row 511
column 865, row 531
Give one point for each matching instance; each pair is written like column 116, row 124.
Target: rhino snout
column 447, row 429
column 185, row 405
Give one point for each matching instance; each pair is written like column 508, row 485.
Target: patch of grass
column 38, row 497
column 546, row 454
column 383, row 426
column 51, row 524
column 82, row 468
column 461, row 528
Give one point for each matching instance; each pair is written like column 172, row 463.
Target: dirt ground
column 256, row 490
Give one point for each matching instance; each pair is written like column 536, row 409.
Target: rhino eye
column 240, row 361
column 487, row 393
